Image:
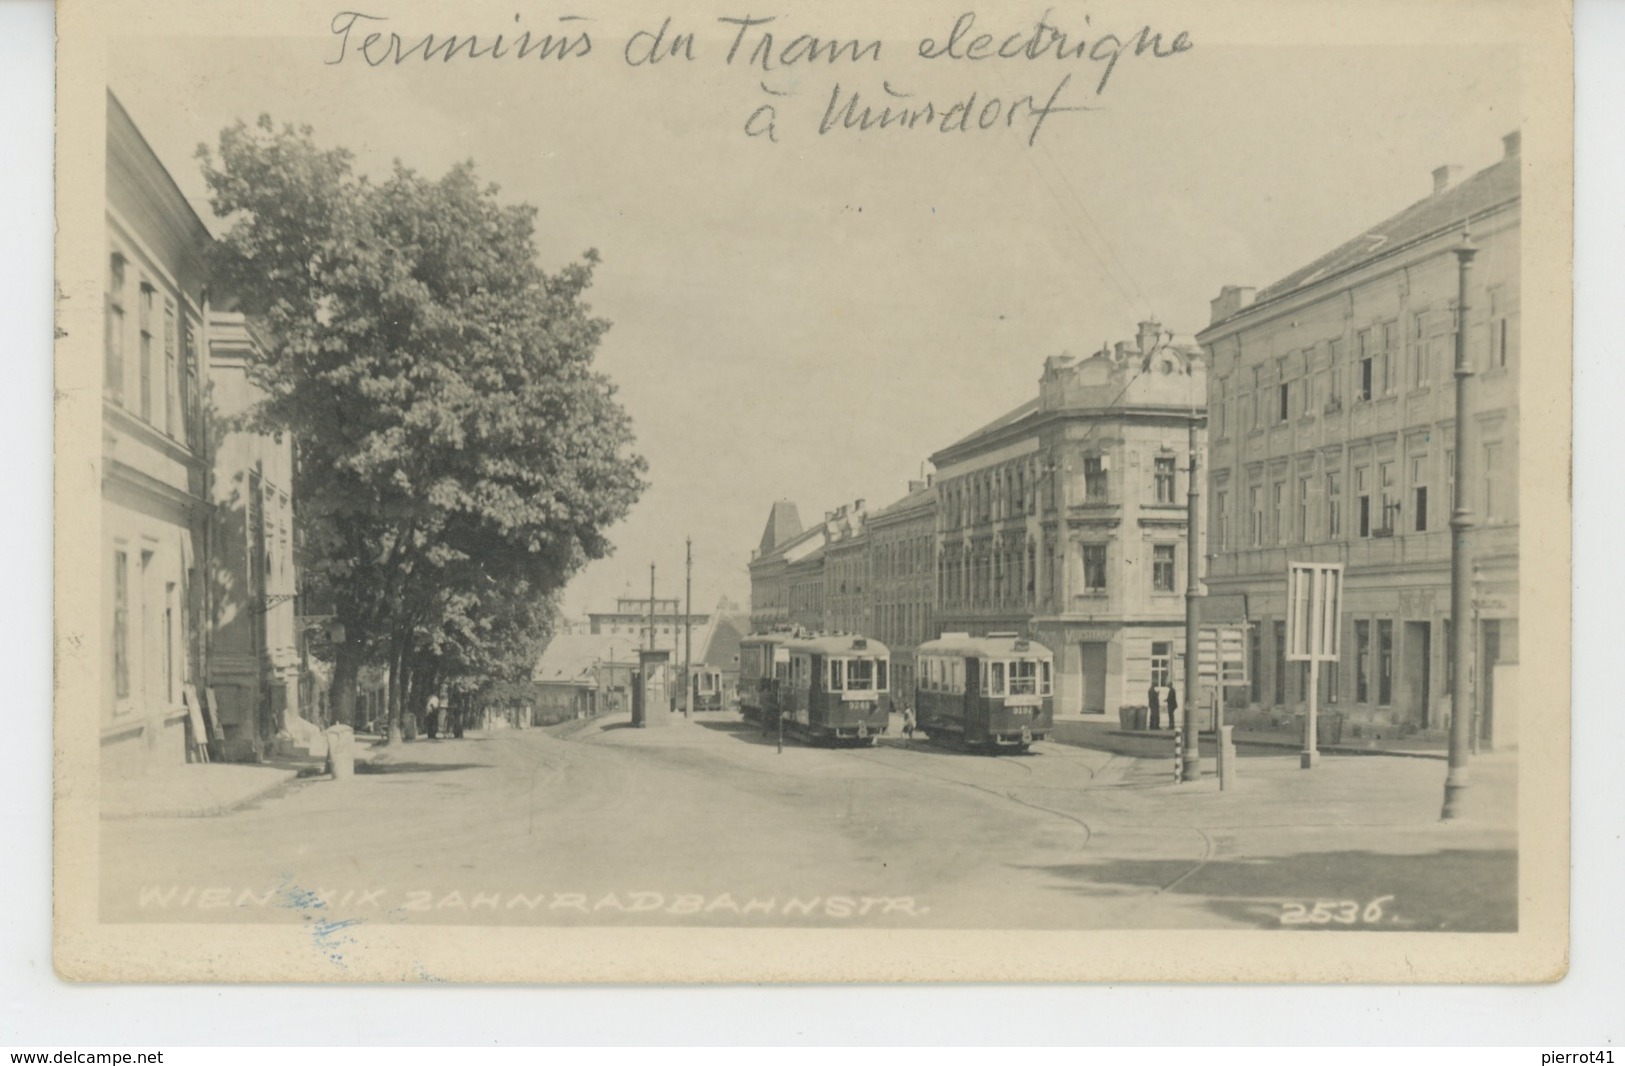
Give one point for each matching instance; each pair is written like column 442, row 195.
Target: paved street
column 707, row 823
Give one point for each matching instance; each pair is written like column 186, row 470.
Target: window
column 1280, row 663
column 994, row 679
column 862, row 675
column 1162, row 658
column 1502, row 338
column 1162, row 568
column 172, row 379
column 1303, row 510
column 1419, row 350
column 1419, row 492
column 1334, row 375
column 1390, row 356
column 1218, row 409
column 1328, row 670
column 1362, row 660
column 1390, row 504
column 1278, row 499
column 1284, row 401
column 1024, row 678
column 1334, row 504
column 1094, row 567
column 1164, row 465
column 1221, row 514
column 1362, row 495
column 113, row 358
column 1385, row 662
column 1255, row 656
column 1044, row 677
column 148, row 294
column 1256, row 508
column 836, row 675
column 121, row 625
column 1362, row 391
column 1094, row 478
column 1492, row 468
column 1310, row 385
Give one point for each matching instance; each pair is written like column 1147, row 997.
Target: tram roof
column 996, row 646
column 837, row 644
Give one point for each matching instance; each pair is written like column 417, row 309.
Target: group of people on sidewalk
column 1162, row 698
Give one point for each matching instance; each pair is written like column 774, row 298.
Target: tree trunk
column 341, row 695
column 394, row 695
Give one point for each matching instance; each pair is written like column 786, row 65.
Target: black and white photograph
column 702, row 493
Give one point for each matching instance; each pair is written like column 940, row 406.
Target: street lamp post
column 1461, row 563
column 1191, row 757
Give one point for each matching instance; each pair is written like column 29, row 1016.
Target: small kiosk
column 651, row 689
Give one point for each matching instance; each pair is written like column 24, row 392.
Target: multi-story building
column 1065, row 519
column 847, row 587
column 902, row 568
column 631, row 619
column 769, row 593
column 1333, row 404
column 255, row 654
column 154, row 499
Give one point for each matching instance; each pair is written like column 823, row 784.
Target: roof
column 964, row 644
column 926, row 494
column 720, row 648
column 1006, row 419
column 783, row 523
column 1491, row 187
column 571, row 657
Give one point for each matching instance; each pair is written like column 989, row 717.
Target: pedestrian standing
column 908, row 721
column 1155, row 704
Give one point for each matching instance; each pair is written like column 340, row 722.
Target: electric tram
column 984, row 693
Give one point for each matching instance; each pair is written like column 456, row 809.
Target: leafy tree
column 459, row 456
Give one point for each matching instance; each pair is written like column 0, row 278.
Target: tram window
column 996, row 680
column 880, row 675
column 1023, row 678
column 860, row 674
column 958, row 683
column 835, row 675
column 1043, row 678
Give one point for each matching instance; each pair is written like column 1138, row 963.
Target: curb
column 1290, row 745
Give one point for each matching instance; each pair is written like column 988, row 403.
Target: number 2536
column 1333, row 912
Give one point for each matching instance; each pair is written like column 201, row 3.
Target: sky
column 811, row 318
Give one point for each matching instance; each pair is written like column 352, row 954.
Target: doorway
column 1093, row 658
column 1418, row 670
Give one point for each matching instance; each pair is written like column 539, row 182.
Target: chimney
column 930, row 479
column 1121, row 352
column 915, row 486
column 1231, row 298
column 1513, row 143
column 857, row 505
column 1444, row 177
column 1149, row 332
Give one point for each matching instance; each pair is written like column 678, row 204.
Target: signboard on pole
column 1314, row 611
column 1221, row 656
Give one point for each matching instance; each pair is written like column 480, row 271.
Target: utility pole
column 1461, row 562
column 651, row 606
column 688, row 634
column 1191, row 757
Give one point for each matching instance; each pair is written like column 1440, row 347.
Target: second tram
column 833, row 688
column 985, row 693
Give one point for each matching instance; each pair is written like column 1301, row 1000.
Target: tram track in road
column 1004, row 794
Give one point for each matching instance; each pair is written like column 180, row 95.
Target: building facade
column 255, row 659
column 1333, row 400
column 631, row 619
column 847, row 587
column 903, row 567
column 1065, row 520
column 769, row 590
column 154, row 497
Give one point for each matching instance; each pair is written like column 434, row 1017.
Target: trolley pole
column 688, row 633
column 1191, row 757
column 1461, row 561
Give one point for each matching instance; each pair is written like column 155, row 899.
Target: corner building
column 1333, row 430
column 1065, row 520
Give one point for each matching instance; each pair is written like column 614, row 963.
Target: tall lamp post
column 1461, row 562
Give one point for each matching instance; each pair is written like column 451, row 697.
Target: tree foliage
column 459, row 456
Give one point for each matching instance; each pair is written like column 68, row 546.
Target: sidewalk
column 1104, row 735
column 190, row 790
